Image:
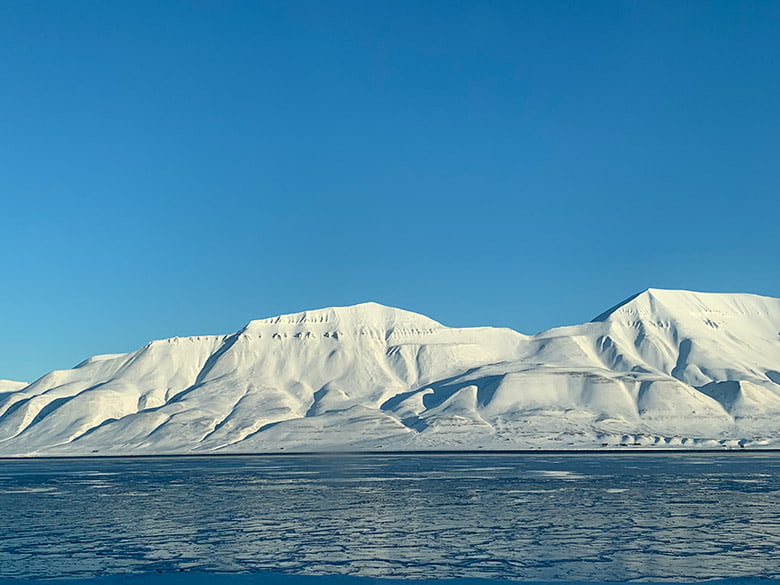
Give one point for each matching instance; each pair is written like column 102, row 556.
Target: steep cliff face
column 662, row 368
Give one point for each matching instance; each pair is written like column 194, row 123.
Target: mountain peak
column 669, row 303
column 370, row 314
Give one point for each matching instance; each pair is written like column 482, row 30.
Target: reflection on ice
column 558, row 473
column 28, row 490
column 646, row 517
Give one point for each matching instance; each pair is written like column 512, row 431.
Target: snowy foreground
column 664, row 369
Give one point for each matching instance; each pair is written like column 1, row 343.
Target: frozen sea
column 679, row 517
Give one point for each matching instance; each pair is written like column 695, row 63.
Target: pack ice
column 662, row 369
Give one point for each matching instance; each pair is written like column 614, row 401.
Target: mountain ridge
column 662, row 368
column 657, row 295
column 366, row 313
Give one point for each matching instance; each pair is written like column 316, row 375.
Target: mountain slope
column 662, row 368
column 11, row 386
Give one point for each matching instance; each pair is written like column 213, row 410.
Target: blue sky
column 178, row 168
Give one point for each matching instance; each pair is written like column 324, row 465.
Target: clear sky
column 180, row 168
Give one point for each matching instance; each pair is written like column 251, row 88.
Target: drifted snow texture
column 663, row 369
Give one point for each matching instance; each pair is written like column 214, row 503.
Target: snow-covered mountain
column 10, row 385
column 663, row 368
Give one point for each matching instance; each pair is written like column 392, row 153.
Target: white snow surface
column 663, row 369
column 10, row 386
